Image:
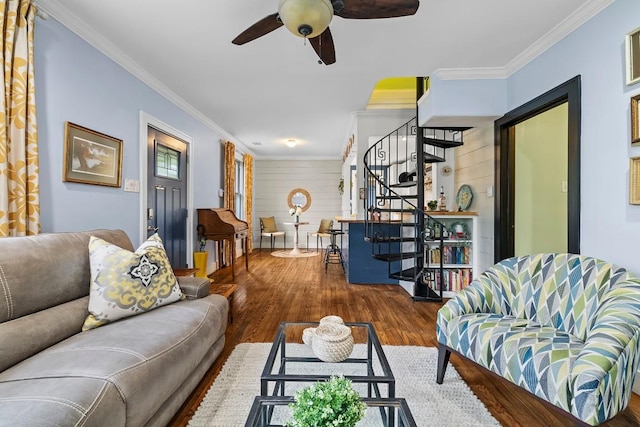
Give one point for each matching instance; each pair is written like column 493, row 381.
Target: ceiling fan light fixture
column 306, row 18
column 305, row 30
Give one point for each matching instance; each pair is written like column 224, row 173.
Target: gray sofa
column 137, row 371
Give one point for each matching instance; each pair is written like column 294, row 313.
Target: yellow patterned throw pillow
column 125, row 283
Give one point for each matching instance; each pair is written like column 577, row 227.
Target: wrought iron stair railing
column 395, row 223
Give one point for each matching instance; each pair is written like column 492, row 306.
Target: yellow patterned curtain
column 229, row 187
column 248, row 194
column 229, row 175
column 19, row 190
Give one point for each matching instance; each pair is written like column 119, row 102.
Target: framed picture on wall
column 91, row 157
column 635, row 129
column 632, row 48
column 634, row 181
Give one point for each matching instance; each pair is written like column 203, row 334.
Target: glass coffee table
column 273, row 411
column 292, row 365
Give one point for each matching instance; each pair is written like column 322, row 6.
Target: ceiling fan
column 310, row 19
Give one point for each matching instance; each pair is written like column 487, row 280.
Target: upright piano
column 221, row 224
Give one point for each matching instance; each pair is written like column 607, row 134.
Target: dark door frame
column 569, row 92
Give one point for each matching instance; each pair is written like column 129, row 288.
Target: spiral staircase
column 396, row 223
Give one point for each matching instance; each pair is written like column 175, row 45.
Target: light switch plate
column 132, row 185
column 490, row 191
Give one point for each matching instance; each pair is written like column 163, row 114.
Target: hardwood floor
column 285, row 289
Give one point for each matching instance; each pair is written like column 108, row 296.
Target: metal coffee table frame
column 263, row 407
column 279, row 351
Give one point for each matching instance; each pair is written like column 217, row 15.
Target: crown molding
column 481, row 73
column 56, row 10
column 557, row 33
column 298, row 158
column 553, row 36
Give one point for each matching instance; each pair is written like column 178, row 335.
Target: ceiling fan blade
column 374, row 9
column 259, row 29
column 323, row 45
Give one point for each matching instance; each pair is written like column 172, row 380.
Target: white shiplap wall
column 274, row 179
column 474, row 166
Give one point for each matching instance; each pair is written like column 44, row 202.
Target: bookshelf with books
column 458, row 252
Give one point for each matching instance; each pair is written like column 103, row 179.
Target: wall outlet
column 132, row 185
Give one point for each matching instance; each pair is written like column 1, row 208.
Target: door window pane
column 167, row 162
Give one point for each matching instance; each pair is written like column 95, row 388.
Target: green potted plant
column 328, row 403
column 432, row 205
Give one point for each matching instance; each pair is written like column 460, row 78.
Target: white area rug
column 300, row 254
column 229, row 399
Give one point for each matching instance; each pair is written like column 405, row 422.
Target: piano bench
column 226, row 290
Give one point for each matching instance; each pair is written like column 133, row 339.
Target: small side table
column 226, row 290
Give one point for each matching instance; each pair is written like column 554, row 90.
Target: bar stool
column 333, row 254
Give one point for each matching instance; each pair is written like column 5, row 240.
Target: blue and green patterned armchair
column 564, row 327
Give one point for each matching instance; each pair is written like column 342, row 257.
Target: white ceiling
column 273, row 89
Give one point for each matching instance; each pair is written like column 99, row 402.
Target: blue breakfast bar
column 360, row 266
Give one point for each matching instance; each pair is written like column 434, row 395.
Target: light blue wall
column 610, row 227
column 76, row 83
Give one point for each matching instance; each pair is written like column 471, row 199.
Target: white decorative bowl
column 307, row 335
column 332, row 319
column 332, row 342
